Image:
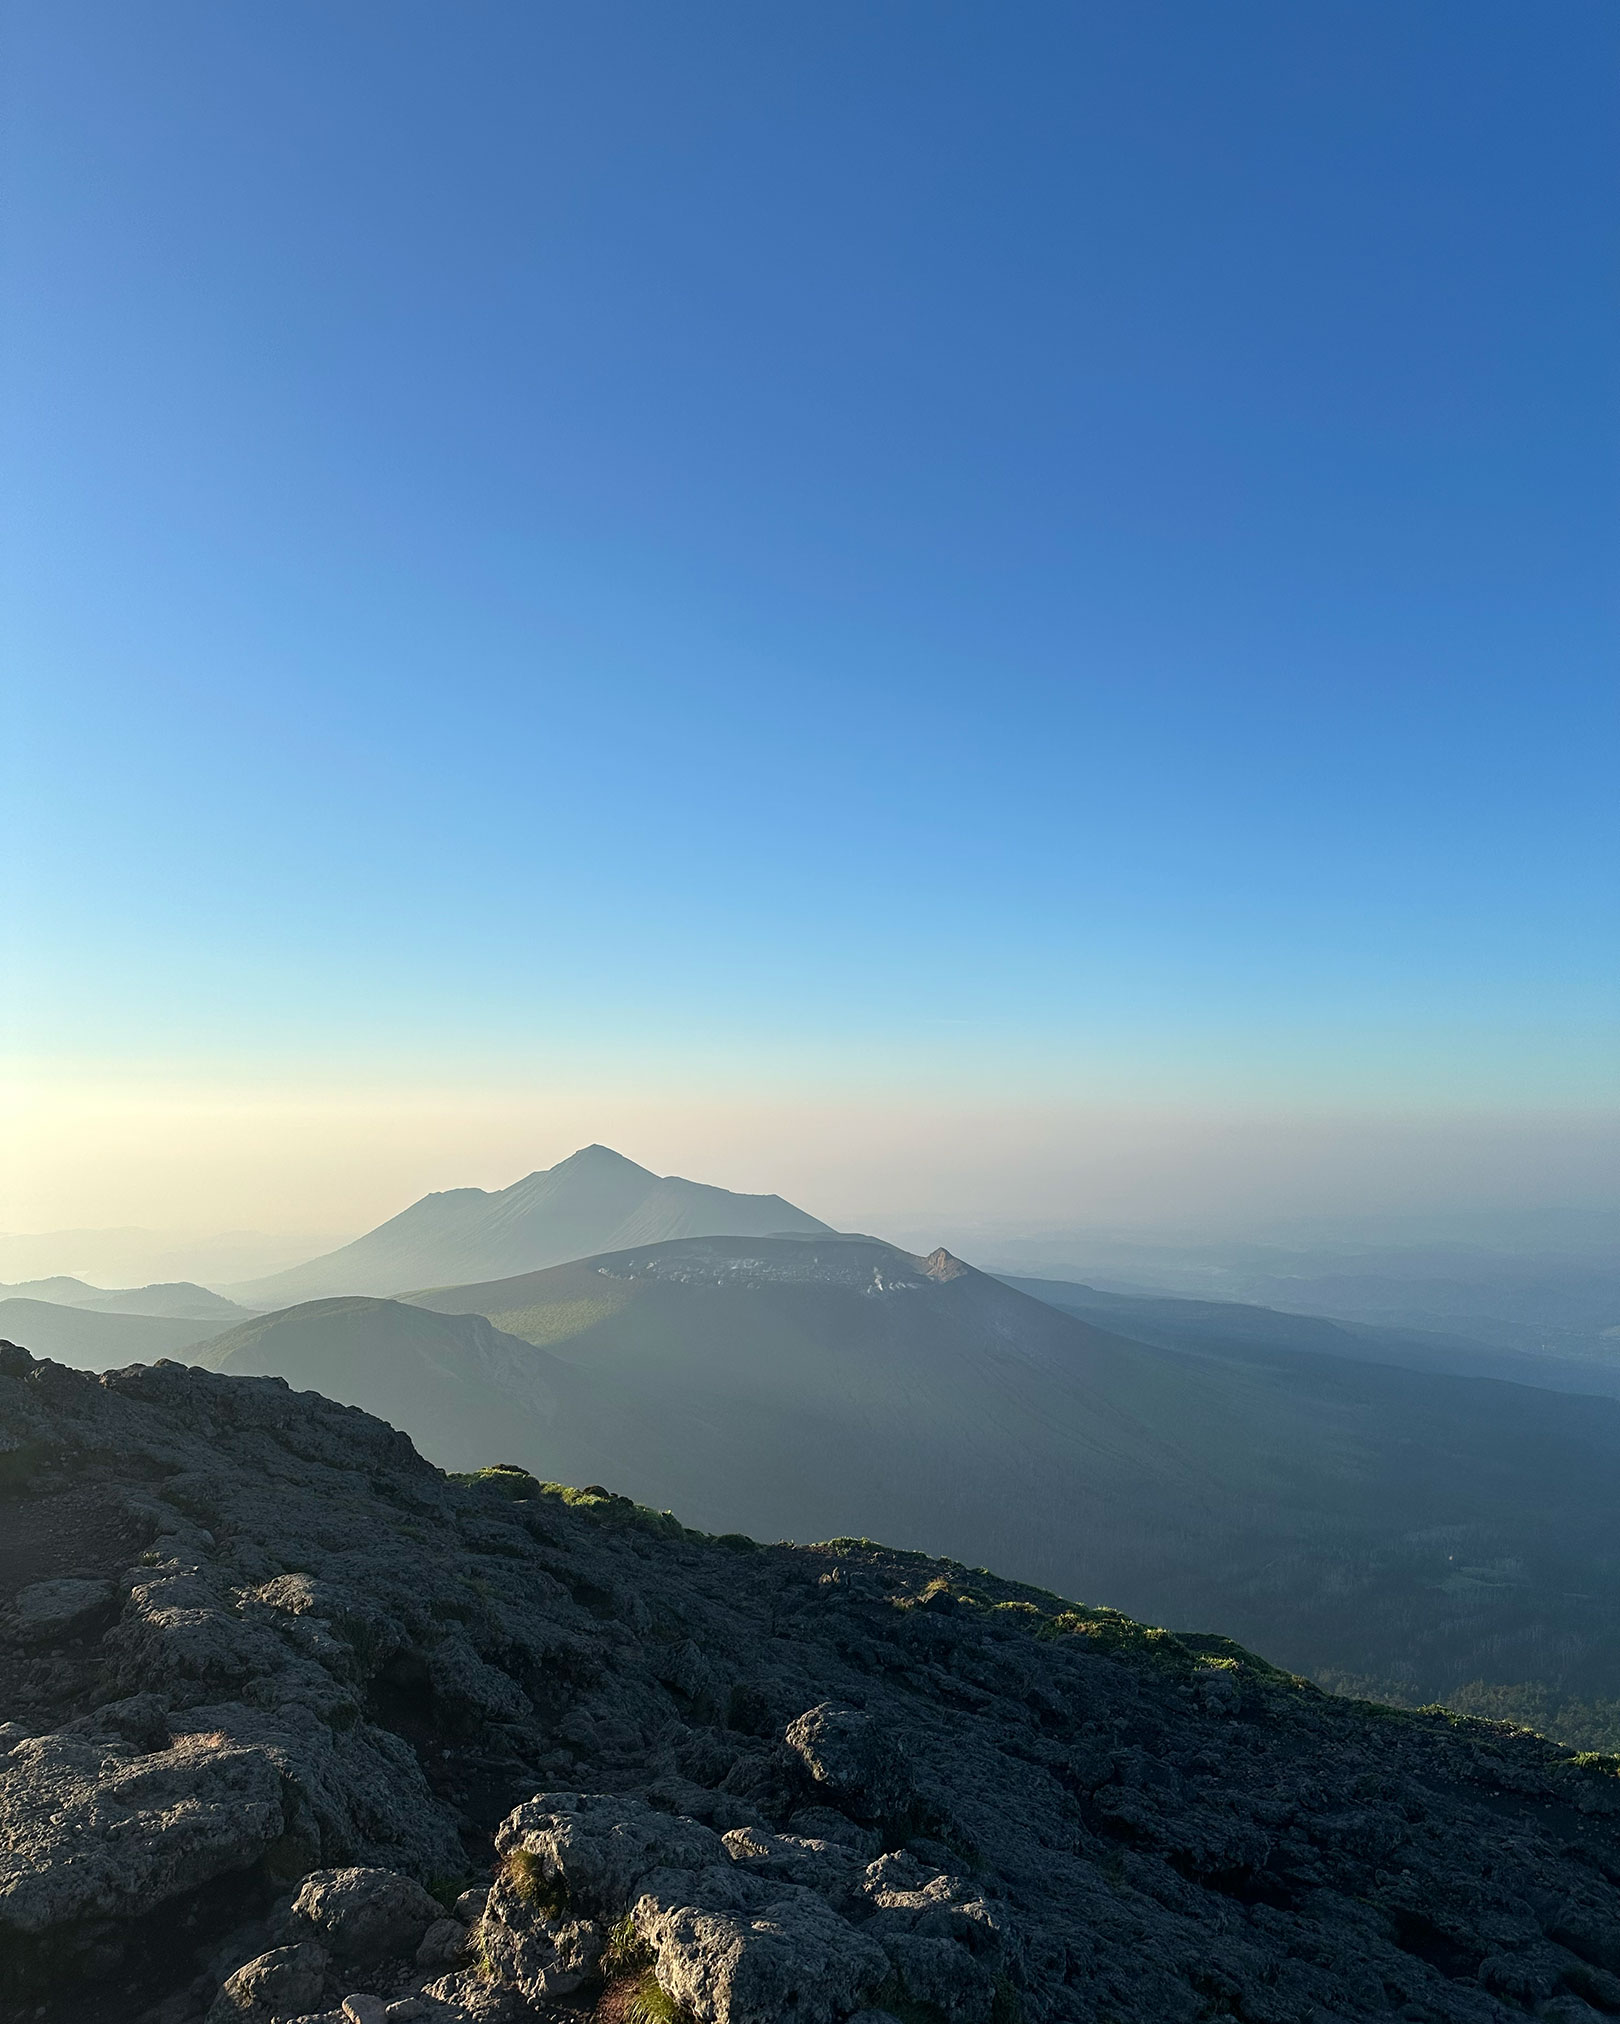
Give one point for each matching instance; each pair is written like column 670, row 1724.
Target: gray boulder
column 87, row 1834
column 789, row 1956
column 907, row 1898
column 286, row 1982
column 51, row 1609
column 364, row 1914
column 943, row 1975
column 443, row 1942
column 603, row 1850
column 827, row 1866
column 537, row 1949
column 852, row 1761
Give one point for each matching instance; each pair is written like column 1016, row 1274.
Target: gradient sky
column 952, row 561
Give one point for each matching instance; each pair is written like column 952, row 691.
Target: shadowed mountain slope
column 95, row 1341
column 594, row 1201
column 1381, row 1522
column 453, row 1376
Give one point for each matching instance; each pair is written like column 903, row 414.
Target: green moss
column 506, row 1479
column 609, row 1508
column 846, row 1545
column 1226, row 1652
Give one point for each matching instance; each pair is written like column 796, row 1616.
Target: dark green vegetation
column 596, row 1200
column 506, row 1479
column 1527, row 1704
column 1378, row 1523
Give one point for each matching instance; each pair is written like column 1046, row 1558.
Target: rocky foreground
column 292, row 1726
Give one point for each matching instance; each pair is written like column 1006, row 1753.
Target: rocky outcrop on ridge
column 292, row 1726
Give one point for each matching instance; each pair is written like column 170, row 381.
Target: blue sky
column 1069, row 548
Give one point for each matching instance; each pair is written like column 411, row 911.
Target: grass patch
column 651, row 2003
column 1104, row 1630
column 626, row 1952
column 478, row 1952
column 847, row 1545
column 529, row 1881
column 609, row 1508
column 1233, row 1657
column 506, row 1479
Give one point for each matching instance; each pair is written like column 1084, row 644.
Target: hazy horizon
column 1143, row 1179
column 967, row 617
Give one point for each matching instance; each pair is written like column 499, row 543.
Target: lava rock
column 364, row 1914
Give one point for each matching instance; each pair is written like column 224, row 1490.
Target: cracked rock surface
column 291, row 1726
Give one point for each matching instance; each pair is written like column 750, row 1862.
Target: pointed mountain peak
column 602, row 1157
column 939, row 1264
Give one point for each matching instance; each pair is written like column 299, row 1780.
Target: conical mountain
column 596, row 1200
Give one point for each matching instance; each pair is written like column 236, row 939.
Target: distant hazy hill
column 1542, row 1287
column 1381, row 1522
column 177, row 1301
column 414, row 1364
column 1233, row 1328
column 93, row 1341
column 594, row 1201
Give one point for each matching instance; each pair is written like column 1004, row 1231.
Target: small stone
column 362, row 2009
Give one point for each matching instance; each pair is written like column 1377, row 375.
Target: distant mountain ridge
column 175, row 1300
column 1361, row 1519
column 1231, row 1327
column 594, row 1201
